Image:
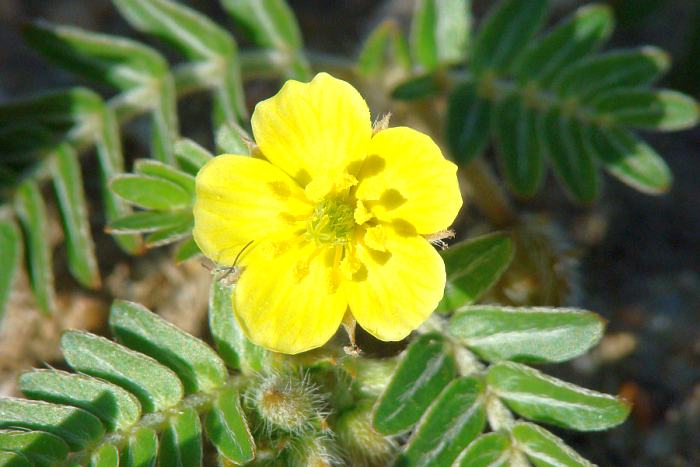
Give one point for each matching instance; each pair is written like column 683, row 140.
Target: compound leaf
column 156, row 386
column 197, row 365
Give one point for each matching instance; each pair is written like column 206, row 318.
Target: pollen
column 332, row 222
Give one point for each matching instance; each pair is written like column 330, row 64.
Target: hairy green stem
column 488, row 193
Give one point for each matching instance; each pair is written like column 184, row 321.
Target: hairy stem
column 488, row 193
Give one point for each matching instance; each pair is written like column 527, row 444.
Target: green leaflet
column 12, row 459
column 526, row 334
column 519, row 145
column 117, row 61
column 181, row 441
column 539, row 397
column 426, row 368
column 186, row 250
column 105, row 456
column 450, row 424
column 630, row 159
column 193, row 34
column 141, row 449
column 109, row 154
column 586, row 78
column 440, row 32
column 227, row 428
column 170, row 234
column 577, row 36
column 197, row 365
column 130, row 66
column 191, row 156
column 150, row 192
column 505, row 33
column 31, row 212
column 418, row 87
column 385, row 46
column 468, row 122
column 233, row 346
column 661, row 110
column 149, row 221
column 544, row 449
column 156, row 386
column 271, row 23
column 167, row 172
column 77, row 427
column 199, row 39
column 10, row 246
column 173, row 219
column 56, row 110
column 41, row 448
column 489, row 450
column 564, row 140
column 68, row 185
column 543, row 97
column 230, row 139
column 117, row 408
column 473, row 266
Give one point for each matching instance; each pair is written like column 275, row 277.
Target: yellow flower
column 337, row 217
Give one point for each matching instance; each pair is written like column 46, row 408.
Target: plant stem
column 488, row 194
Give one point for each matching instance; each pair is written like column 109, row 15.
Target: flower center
column 332, row 222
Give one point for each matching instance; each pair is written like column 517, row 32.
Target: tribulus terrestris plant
column 318, row 216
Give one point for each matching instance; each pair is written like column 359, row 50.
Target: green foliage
column 551, row 96
column 532, row 335
column 473, row 266
column 446, row 396
column 157, row 394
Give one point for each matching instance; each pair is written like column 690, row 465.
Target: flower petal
column 405, row 178
column 313, row 130
column 394, row 291
column 287, row 299
column 240, row 198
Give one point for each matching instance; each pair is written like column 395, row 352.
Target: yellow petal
column 313, row 130
column 239, row 199
column 393, row 292
column 287, row 299
column 405, row 178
